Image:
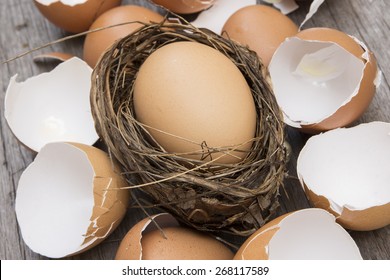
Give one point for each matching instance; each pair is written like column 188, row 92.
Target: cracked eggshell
column 145, row 241
column 261, row 28
column 69, row 199
column 309, row 74
column 74, row 15
column 185, row 6
column 346, row 171
column 308, row 234
column 52, row 106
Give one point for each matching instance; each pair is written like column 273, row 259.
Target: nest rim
column 234, row 198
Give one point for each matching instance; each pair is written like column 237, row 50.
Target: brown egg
column 183, row 244
column 261, row 27
column 146, row 242
column 185, row 6
column 97, row 42
column 193, row 99
column 351, row 111
column 74, row 18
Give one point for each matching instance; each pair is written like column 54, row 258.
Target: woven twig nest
column 233, row 198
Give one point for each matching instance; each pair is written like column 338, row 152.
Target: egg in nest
column 196, row 103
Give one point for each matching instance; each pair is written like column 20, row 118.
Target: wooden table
column 23, row 28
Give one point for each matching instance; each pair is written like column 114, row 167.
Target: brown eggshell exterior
column 110, row 206
column 183, row 6
column 351, row 111
column 260, row 27
column 97, row 42
column 204, row 98
column 360, row 220
column 145, row 241
column 76, row 18
column 130, row 247
column 254, row 247
column 183, row 244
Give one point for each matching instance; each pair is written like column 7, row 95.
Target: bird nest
column 232, row 198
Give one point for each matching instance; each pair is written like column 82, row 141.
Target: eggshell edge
column 109, row 207
column 338, row 118
column 261, row 239
column 360, row 220
column 14, row 85
column 111, row 199
column 134, row 235
column 73, row 18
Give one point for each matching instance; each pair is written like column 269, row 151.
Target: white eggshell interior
column 285, row 6
column 312, row 234
column 349, row 166
column 215, row 17
column 52, row 106
column 313, row 79
column 66, row 2
column 54, row 200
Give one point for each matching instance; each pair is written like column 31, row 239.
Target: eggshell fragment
column 56, row 56
column 285, row 6
column 74, row 15
column 261, row 28
column 346, row 171
column 69, row 199
column 315, row 5
column 97, row 42
column 309, row 74
column 185, row 6
column 160, row 237
column 52, row 106
column 215, row 17
column 308, row 234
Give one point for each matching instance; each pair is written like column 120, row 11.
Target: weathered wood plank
column 24, row 28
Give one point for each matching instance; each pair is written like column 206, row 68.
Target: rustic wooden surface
column 23, row 28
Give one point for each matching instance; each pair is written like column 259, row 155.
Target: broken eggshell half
column 346, row 171
column 74, row 15
column 52, row 106
column 69, row 199
column 308, row 234
column 323, row 79
column 161, row 237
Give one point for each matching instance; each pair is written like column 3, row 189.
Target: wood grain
column 23, row 28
